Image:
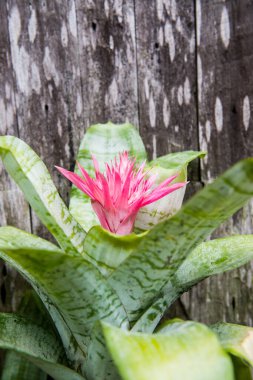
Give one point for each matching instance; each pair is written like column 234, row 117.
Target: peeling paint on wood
column 246, row 112
column 225, row 27
column 107, row 45
column 165, row 34
column 225, row 87
column 218, row 114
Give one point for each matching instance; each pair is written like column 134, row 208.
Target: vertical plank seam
column 136, row 65
column 197, row 84
column 181, row 302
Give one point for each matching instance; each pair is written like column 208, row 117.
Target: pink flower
column 117, row 195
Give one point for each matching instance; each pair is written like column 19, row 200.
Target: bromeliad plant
column 117, row 196
column 104, row 289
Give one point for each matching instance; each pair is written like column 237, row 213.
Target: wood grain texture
column 107, row 43
column 45, row 59
column 13, row 208
column 225, row 95
column 225, row 82
column 165, row 33
column 181, row 71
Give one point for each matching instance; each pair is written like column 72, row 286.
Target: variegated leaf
column 36, row 344
column 109, row 250
column 207, row 259
column 32, row 176
column 191, row 353
column 74, row 292
column 236, row 339
column 18, row 367
column 141, row 277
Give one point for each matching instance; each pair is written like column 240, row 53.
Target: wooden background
column 180, row 70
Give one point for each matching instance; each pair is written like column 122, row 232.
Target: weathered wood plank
column 13, row 208
column 45, row 59
column 225, row 82
column 106, row 31
column 167, row 76
column 225, row 96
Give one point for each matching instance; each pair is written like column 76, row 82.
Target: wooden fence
column 180, row 70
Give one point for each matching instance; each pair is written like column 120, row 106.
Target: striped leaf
column 236, row 339
column 175, row 163
column 207, row 259
column 105, row 141
column 32, row 176
column 99, row 364
column 191, row 353
column 109, row 250
column 74, row 292
column 140, row 278
column 18, row 367
column 35, row 344
column 165, row 167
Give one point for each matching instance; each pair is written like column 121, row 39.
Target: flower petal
column 76, row 180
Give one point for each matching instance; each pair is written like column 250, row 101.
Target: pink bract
column 118, row 194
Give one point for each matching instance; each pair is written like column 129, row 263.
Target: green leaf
column 36, row 344
column 109, row 250
column 191, row 353
column 74, row 292
column 105, row 141
column 207, row 259
column 242, row 370
column 174, row 163
column 32, row 176
column 15, row 245
column 17, row 367
column 236, row 339
column 140, row 278
column 99, row 364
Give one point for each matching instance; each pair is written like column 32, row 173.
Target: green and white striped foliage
column 74, row 292
column 142, row 276
column 32, row 176
column 190, row 352
column 96, row 286
column 236, row 340
column 36, row 344
column 207, row 259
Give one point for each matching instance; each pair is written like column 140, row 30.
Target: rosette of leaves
column 101, row 297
